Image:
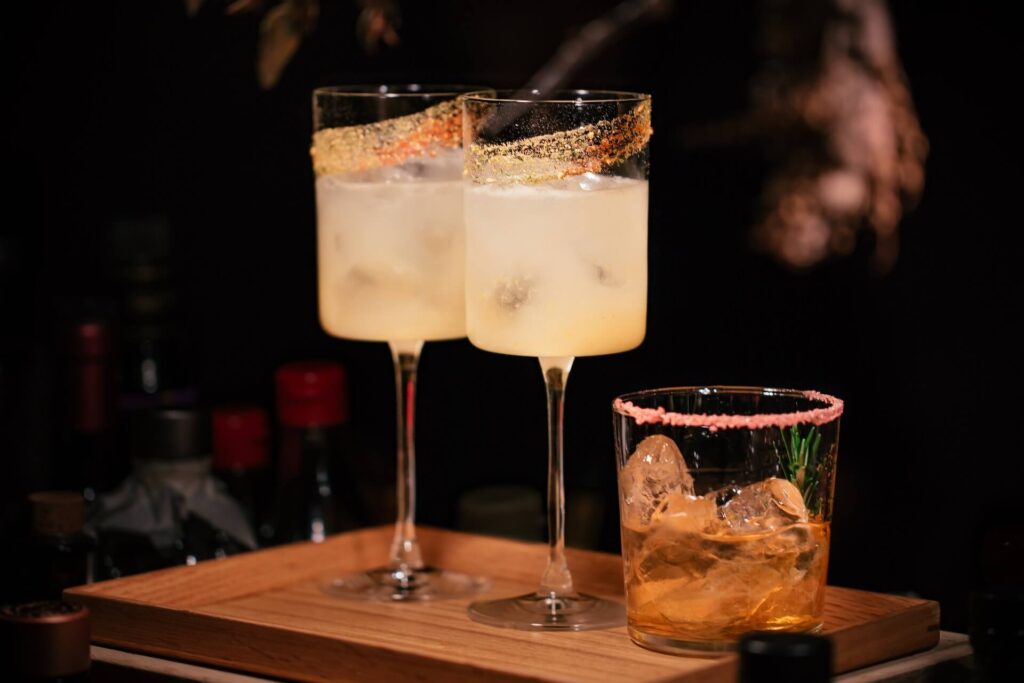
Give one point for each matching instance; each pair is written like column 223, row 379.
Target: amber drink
column 725, row 500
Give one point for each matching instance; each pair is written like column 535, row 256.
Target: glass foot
column 397, row 585
column 543, row 612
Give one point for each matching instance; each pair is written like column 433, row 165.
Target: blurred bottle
column 241, row 460
column 312, row 410
column 170, row 510
column 60, row 552
column 45, row 641
column 85, row 458
column 155, row 372
column 769, row 657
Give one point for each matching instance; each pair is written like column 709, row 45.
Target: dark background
column 126, row 109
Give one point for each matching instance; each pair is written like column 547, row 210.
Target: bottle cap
column 311, row 394
column 44, row 640
column 89, row 338
column 239, row 437
column 169, row 435
column 57, row 513
column 784, row 657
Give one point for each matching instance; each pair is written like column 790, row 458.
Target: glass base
column 689, row 648
column 542, row 612
column 397, row 585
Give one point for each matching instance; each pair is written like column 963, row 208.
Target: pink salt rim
column 815, row 416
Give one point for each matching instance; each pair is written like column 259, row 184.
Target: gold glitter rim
column 398, row 90
column 587, row 149
column 391, row 142
column 584, row 96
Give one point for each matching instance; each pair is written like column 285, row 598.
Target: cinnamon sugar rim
column 833, row 408
column 585, row 96
column 391, row 141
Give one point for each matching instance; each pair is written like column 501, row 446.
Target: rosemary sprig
column 800, row 462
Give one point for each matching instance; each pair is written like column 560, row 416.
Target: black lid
column 170, row 435
column 784, row 657
column 997, row 631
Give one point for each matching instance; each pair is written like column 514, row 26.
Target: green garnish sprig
column 800, row 463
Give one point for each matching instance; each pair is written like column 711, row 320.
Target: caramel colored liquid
column 702, row 587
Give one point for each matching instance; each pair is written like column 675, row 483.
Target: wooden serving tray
column 264, row 612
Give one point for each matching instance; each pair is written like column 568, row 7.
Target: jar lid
column 239, row 437
column 44, row 640
column 311, row 394
column 172, row 434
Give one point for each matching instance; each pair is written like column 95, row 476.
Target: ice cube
column 606, row 277
column 766, row 505
column 377, row 276
column 588, row 182
column 514, row 292
column 654, row 470
column 382, row 174
column 446, row 165
column 681, row 513
column 672, row 557
column 718, row 583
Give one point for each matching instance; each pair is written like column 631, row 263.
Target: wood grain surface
column 264, row 613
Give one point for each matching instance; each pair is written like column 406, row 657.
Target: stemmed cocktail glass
column 556, row 267
column 390, row 243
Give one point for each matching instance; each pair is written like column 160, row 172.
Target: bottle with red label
column 312, row 410
column 86, row 458
column 241, row 460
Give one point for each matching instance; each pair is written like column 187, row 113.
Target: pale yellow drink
column 390, row 256
column 557, row 268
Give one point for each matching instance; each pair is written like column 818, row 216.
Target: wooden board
column 264, row 613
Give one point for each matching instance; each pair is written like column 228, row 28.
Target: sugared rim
column 395, row 90
column 580, row 96
column 623, row 405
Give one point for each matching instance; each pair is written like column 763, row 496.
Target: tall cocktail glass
column 391, row 248
column 725, row 495
column 556, row 267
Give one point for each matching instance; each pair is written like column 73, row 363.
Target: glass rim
column 623, row 405
column 576, row 96
column 398, row 90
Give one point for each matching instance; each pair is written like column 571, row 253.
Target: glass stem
column 557, row 581
column 405, row 549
